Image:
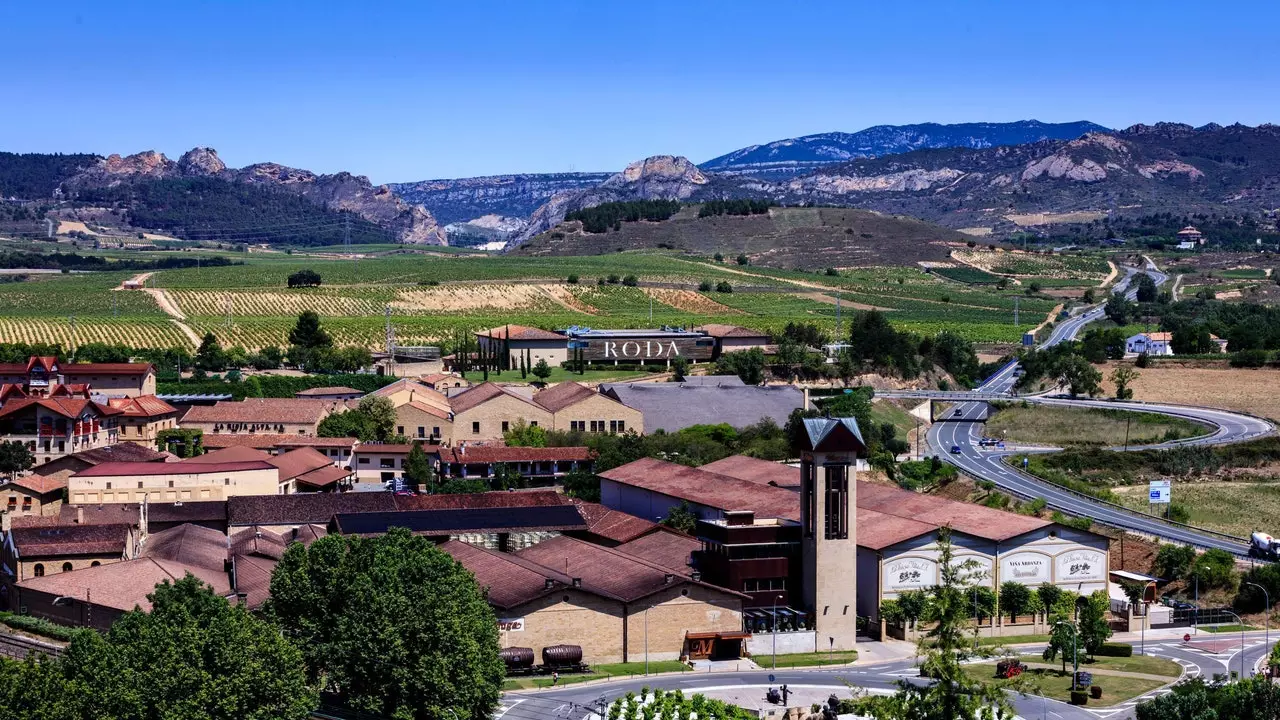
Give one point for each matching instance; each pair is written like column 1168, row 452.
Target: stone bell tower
column 828, row 519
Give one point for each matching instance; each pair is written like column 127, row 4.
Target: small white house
column 1154, row 343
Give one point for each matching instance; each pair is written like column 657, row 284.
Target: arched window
column 95, row 563
column 66, row 567
column 38, row 570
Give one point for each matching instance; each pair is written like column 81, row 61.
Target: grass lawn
column 1233, row 628
column 559, row 375
column 1145, row 664
column 1056, row 685
column 1013, row 640
column 597, row 672
column 807, row 659
column 1235, row 508
column 1085, row 426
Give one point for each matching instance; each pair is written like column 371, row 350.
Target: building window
column 435, row 431
column 475, row 428
column 505, row 426
column 66, row 567
column 13, row 503
column 764, row 584
column 836, row 523
column 400, row 430
column 808, row 498
column 617, row 426
column 422, row 431
column 364, row 461
column 170, row 483
column 38, row 570
column 26, row 503
column 386, row 462
column 95, row 563
column 575, row 426
column 139, row 484
column 388, row 476
column 226, row 481
column 108, row 484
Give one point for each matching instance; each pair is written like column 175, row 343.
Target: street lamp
column 1241, row 623
column 1195, row 618
column 1267, row 595
column 1075, row 656
column 776, row 598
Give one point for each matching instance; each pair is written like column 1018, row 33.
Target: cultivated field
column 1005, row 262
column 1063, row 426
column 1252, row 391
column 1236, row 508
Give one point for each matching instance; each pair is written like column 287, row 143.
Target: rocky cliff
column 464, row 199
column 342, row 191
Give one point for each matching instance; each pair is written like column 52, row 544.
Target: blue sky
column 422, row 90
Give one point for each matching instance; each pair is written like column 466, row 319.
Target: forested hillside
column 34, row 176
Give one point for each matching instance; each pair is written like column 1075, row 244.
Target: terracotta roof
column 120, row 452
column 188, row 544
column 66, row 407
column 433, row 410
column 666, row 548
column 40, row 484
column 562, row 395
column 303, row 508
column 510, row 580
column 418, row 391
column 261, row 411
column 512, row 498
column 127, row 513
column 185, row 467
column 123, row 585
column 33, row 542
column 1158, row 336
column 231, row 454
column 506, row 454
column 521, row 332
column 606, row 571
column 763, row 472
column 299, row 462
column 253, row 578
column 482, row 393
column 707, row 488
column 264, row 441
column 80, row 390
column 391, row 448
column 336, row 390
column 968, row 518
column 105, row 369
column 324, row 477
column 307, row 534
column 440, row 377
column 142, row 406
column 552, row 518
column 613, row 524
column 259, row 541
column 719, row 330
column 10, row 389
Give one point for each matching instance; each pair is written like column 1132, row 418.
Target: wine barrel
column 557, row 655
column 517, row 658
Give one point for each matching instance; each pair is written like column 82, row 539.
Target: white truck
column 1262, row 545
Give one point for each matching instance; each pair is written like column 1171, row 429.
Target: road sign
column 1159, row 492
column 1186, row 637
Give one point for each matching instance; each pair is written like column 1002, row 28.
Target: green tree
column 210, row 355
column 1063, row 639
column 582, row 485
column 304, row 278
column 1174, row 561
column 417, row 468
column 1118, row 309
column 541, row 370
column 307, row 332
column 679, row 368
column 1192, row 341
column 1121, row 377
column 746, row 364
column 522, row 434
column 682, row 518
column 463, row 486
column 1092, row 622
column 392, row 624
column 15, row 458
column 1089, row 297
column 1015, row 598
column 1215, row 568
column 373, row 420
column 1079, row 377
column 1146, row 288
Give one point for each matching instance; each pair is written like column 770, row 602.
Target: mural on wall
column 1080, row 565
column 1029, row 568
column 912, row 573
column 974, row 569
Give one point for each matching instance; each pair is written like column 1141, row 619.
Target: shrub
column 1122, row 650
column 613, row 279
column 573, row 279
column 36, row 626
column 744, row 260
column 1249, row 358
column 720, row 258
column 704, row 286
column 724, row 287
column 1095, row 691
column 832, row 272
column 630, row 281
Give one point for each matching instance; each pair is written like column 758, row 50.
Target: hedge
column 36, row 626
column 1114, row 650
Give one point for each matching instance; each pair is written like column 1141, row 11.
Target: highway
column 989, row 464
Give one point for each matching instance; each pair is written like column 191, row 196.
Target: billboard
column 645, row 349
column 1159, row 492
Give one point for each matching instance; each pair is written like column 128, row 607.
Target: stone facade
column 486, row 421
column 599, row 413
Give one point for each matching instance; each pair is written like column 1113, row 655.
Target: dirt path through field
column 831, row 300
column 170, row 308
column 1110, row 276
column 140, row 278
column 565, row 299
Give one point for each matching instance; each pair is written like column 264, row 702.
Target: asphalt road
column 1206, row 656
column 988, row 464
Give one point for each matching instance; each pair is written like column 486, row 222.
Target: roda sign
column 640, row 349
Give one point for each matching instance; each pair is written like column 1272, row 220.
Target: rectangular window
column 836, row 523
column 808, row 498
column 435, row 431
column 26, row 503
column 386, row 462
column 399, row 429
column 475, row 428
column 204, row 494
column 388, row 476
column 364, row 461
column 505, row 426
column 422, row 431
column 108, row 484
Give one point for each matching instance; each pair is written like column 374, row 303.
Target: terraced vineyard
column 157, row 332
column 1017, row 263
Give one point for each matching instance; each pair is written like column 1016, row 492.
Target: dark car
column 955, row 449
column 957, row 413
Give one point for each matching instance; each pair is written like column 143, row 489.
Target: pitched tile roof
column 553, row 518
column 719, row 330
column 510, row 580
column 613, row 524
column 976, row 520
column 37, row 483
column 259, row 541
column 562, row 395
column 666, row 548
column 507, row 498
column 33, row 542
column 120, row 452
column 214, row 511
column 72, row 369
column 142, row 406
column 324, row 477
column 225, row 455
column 521, row 332
column 482, row 393
column 261, row 411
column 707, row 488
column 391, row 448
column 336, row 390
column 184, row 467
column 266, row 441
column 433, row 410
column 187, row 544
column 298, row 462
column 675, row 406
column 507, row 454
column 123, row 585
column 66, row 407
column 303, row 508
column 764, row 472
column 253, row 578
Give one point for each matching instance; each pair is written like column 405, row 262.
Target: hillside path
column 171, row 309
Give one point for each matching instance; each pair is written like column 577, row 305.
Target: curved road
column 963, row 434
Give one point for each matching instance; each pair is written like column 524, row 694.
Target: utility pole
column 391, row 342
column 48, row 222
column 837, row 316
column 346, row 233
column 1015, row 311
column 651, row 311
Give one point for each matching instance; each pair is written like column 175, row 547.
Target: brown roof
column 127, row 513
column 120, row 452
column 33, row 542
column 142, row 406
column 303, row 508
column 516, row 498
column 264, row 441
column 185, row 467
column 764, row 472
column 484, row 392
column 70, row 369
column 707, row 488
column 429, row 409
column 336, row 390
column 259, row 541
column 510, row 579
column 613, row 524
column 298, row 462
column 324, row 477
column 521, row 332
column 391, row 448
column 606, row 571
column 231, row 454
column 40, row 484
column 261, row 410
column 66, row 407
column 123, row 585
column 666, row 548
column 718, row 330
column 505, row 454
column 440, row 377
column 562, row 395
column 253, row 578
column 188, row 544
column 935, row 512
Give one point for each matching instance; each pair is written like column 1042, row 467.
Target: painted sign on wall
column 910, row 574
column 1025, row 567
column 973, row 569
column 1080, row 565
column 511, row 624
column 655, row 348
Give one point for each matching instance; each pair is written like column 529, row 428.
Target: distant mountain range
column 463, row 199
column 795, row 156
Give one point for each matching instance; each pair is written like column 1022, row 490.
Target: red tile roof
column 253, row 578
column 968, row 518
column 391, row 448
column 68, row 370
column 482, row 393
column 265, row 441
column 510, row 580
column 506, row 454
column 667, row 548
column 231, row 454
column 707, row 488
column 764, row 472
column 562, row 395
column 123, row 585
column 303, row 508
column 115, row 469
column 514, row 498
column 66, row 407
column 142, row 406
column 40, row 484
column 299, row 462
column 613, row 524
column 324, row 477
column 521, row 332
column 336, row 390
column 188, row 544
column 48, row 541
column 251, row 411
column 429, row 409
column 259, row 541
